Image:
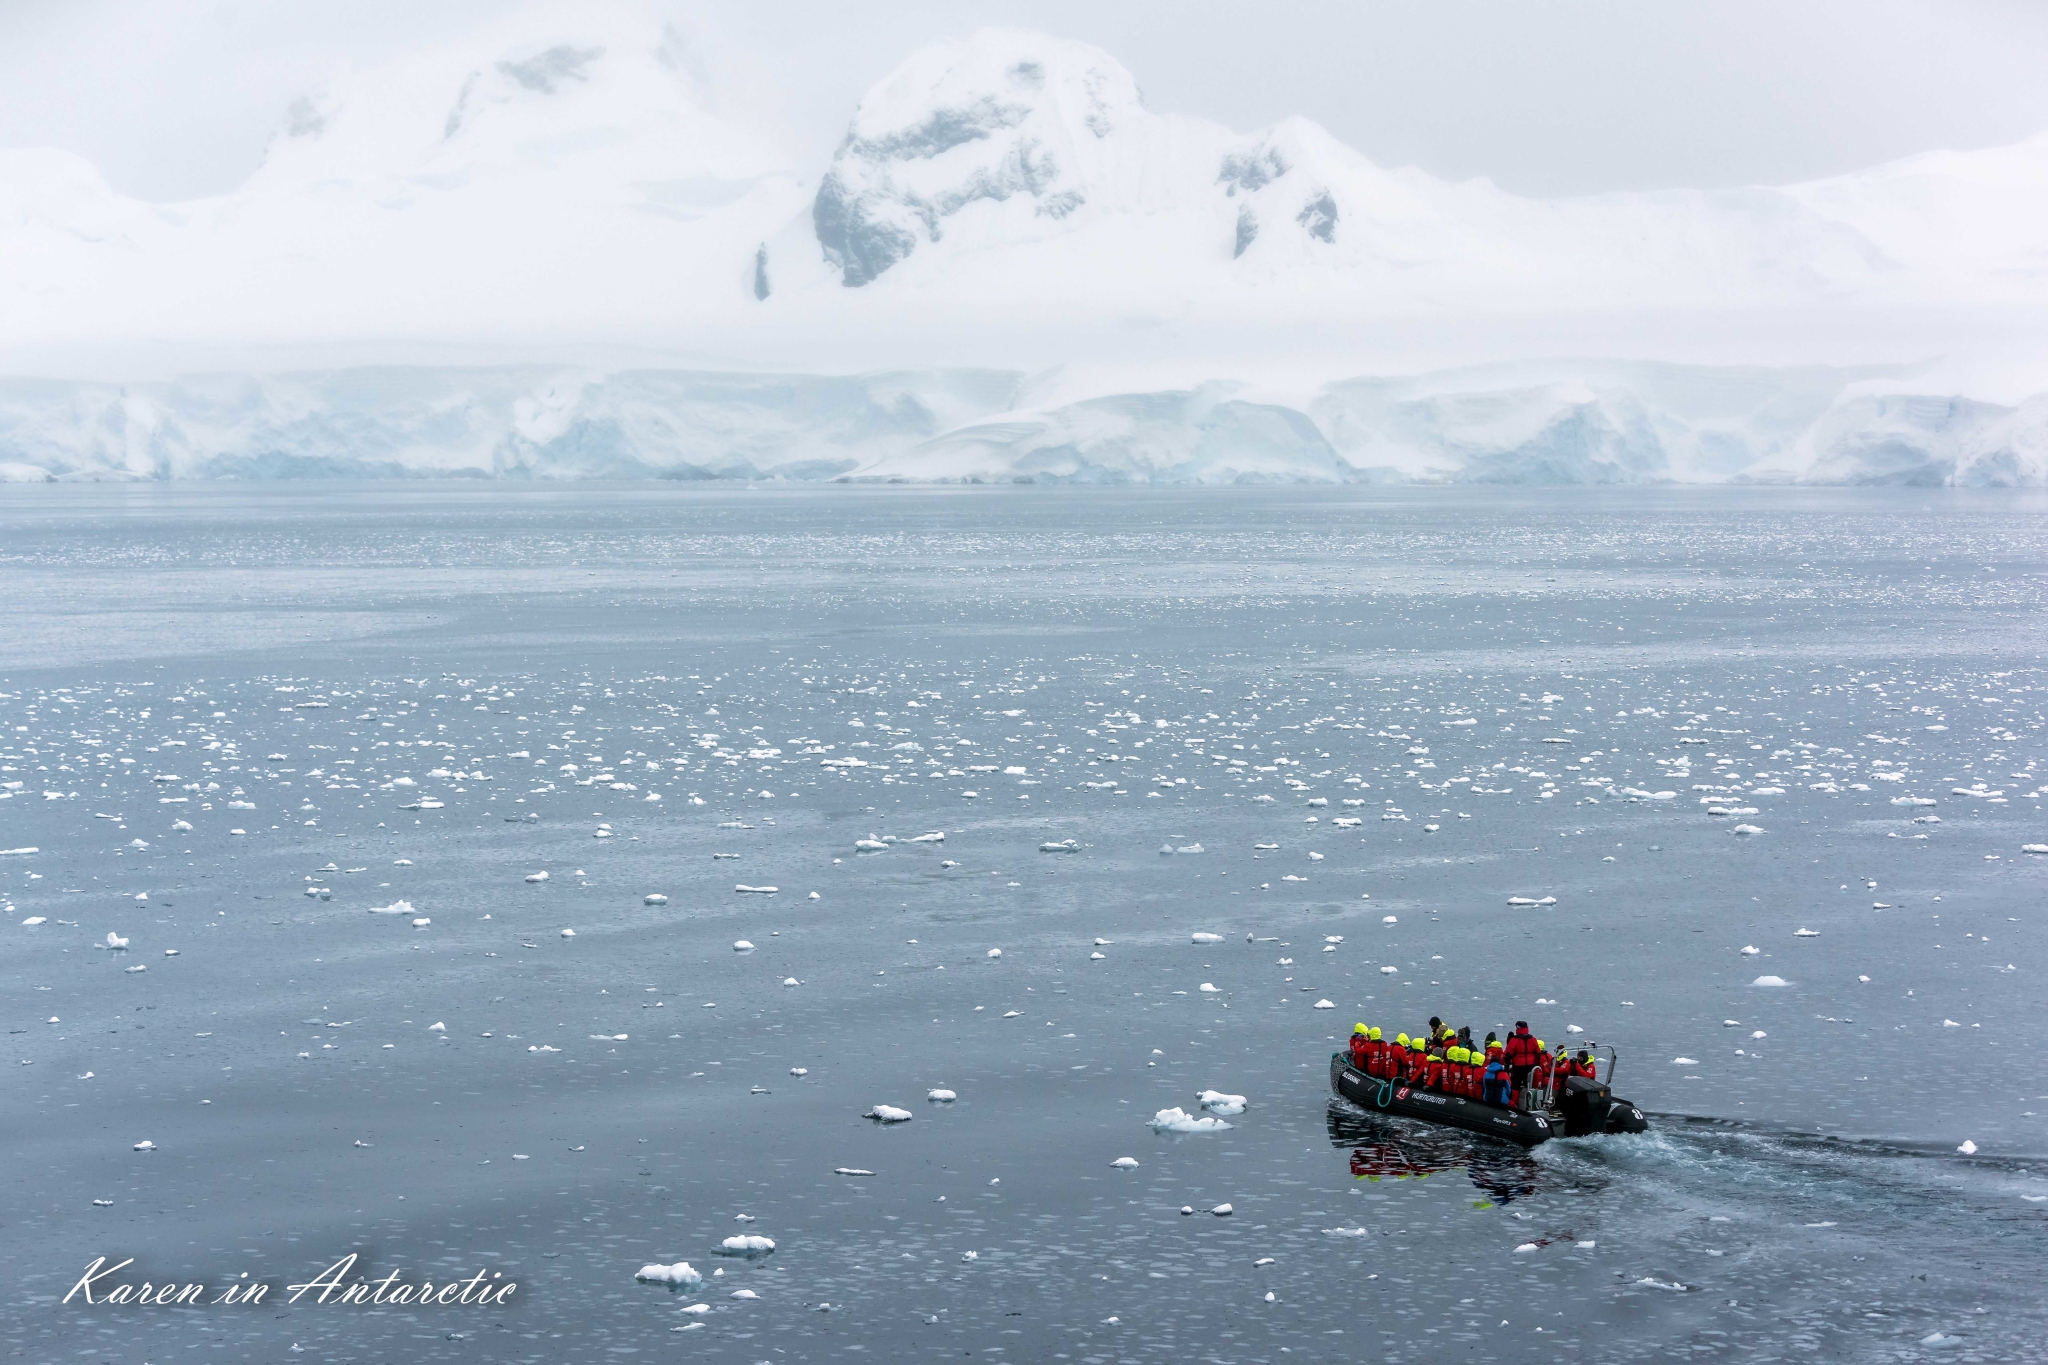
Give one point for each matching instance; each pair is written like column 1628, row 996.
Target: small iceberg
column 888, row 1113
column 1216, row 1102
column 941, row 1096
column 1063, row 846
column 1200, row 936
column 1177, row 1120
column 746, row 1244
column 1125, row 1163
column 1769, row 981
column 681, row 1273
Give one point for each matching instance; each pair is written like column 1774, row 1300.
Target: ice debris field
column 912, row 966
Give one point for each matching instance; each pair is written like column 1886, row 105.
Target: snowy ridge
column 1549, row 423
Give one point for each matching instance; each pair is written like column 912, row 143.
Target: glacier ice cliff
column 1590, row 422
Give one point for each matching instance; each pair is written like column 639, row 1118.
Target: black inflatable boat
column 1583, row 1106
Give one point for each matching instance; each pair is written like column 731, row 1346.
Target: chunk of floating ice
column 1333, row 938
column 1759, row 1034
column 746, row 1244
column 1125, row 1163
column 1751, row 951
column 1009, row 1014
column 1525, row 1248
column 2034, row 848
column 536, row 877
column 1968, row 1148
column 1216, row 1102
column 799, row 1071
column 743, row 1294
column 1747, row 829
column 850, row 1170
column 1524, row 900
column 1222, row 1210
column 568, row 933
column 1324, row 1005
column 1102, row 943
column 145, row 1146
column 421, row 922
column 740, row 945
column 395, row 908
column 1768, row 981
column 870, row 845
column 758, row 890
column 682, row 1272
column 1731, row 1023
column 791, row 981
column 1388, row 971
column 995, row 952
column 1063, row 846
column 1211, row 988
column 1806, row 933
column 1936, row 1338
column 1685, row 1061
column 1178, row 1120
column 33, row 920
column 1095, row 957
column 1342, row 1232
column 115, row 941
column 18, row 852
column 941, row 1096
column 970, row 1255
column 656, row 899
column 888, row 1113
column 1573, row 1028
column 1201, row 936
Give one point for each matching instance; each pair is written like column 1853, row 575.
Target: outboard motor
column 1585, row 1103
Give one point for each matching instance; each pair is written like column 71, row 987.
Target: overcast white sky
column 176, row 98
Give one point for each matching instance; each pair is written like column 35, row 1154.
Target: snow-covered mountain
column 1009, row 267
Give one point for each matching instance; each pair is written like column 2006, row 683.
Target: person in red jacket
column 1361, row 1037
column 1521, row 1053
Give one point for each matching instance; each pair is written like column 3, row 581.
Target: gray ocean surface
column 1712, row 738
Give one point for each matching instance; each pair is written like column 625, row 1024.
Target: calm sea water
column 236, row 720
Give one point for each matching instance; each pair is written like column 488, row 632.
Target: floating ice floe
column 536, row 878
column 395, row 908
column 1216, row 1102
column 1210, row 988
column 1769, row 981
column 1388, row 971
column 1063, row 846
column 746, row 1244
column 2034, row 848
column 1345, row 1232
column 115, row 941
column 1125, row 1163
column 1201, row 936
column 850, row 1170
column 758, row 890
column 740, row 945
column 1685, row 1061
column 655, row 899
column 1222, row 1210
column 1324, row 1005
column 888, row 1113
column 791, row 981
column 994, row 952
column 1751, row 950
column 1968, row 1148
column 145, row 1146
column 1178, row 1120
column 568, row 933
column 870, row 845
column 1806, row 933
column 33, row 920
column 682, row 1272
column 1747, row 829
column 941, row 1096
column 1524, row 900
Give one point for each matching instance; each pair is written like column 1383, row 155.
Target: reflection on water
column 1398, row 1149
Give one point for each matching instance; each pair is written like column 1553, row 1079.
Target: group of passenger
column 1515, row 1072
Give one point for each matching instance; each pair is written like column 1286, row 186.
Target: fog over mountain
column 545, row 252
